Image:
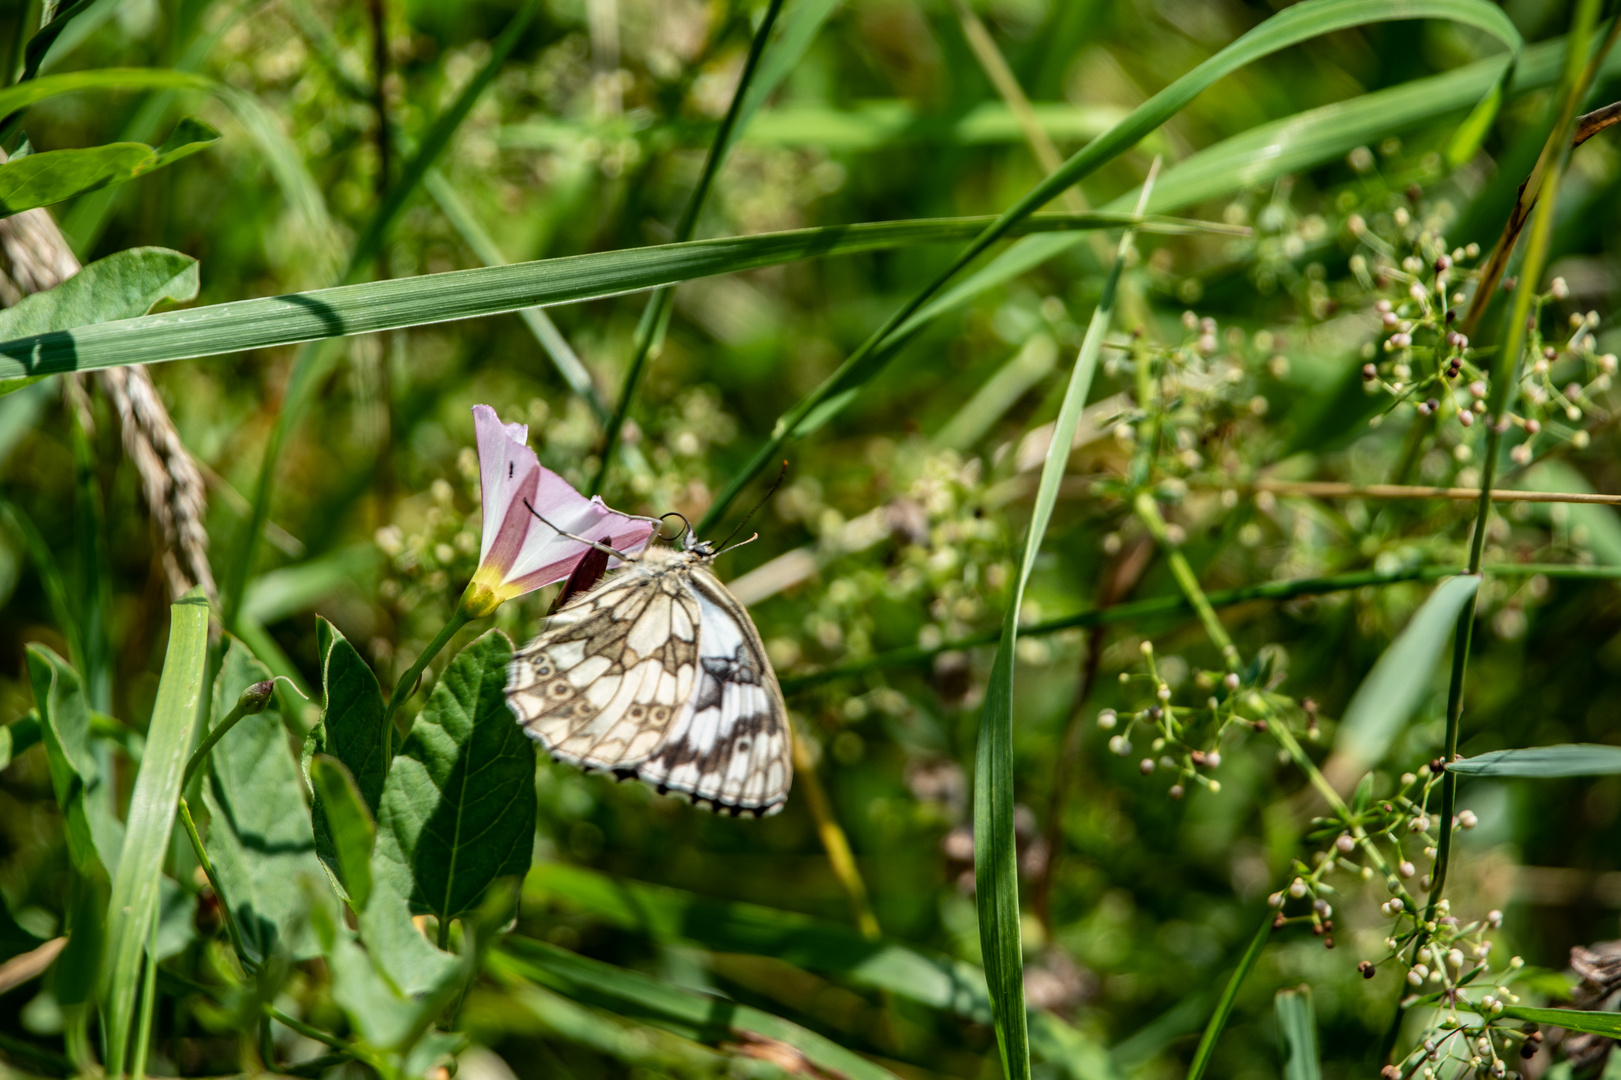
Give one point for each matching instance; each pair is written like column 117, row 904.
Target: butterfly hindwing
column 659, row 673
column 599, row 687
column 730, row 743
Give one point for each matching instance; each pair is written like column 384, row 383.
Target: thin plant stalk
column 1505, row 375
column 407, row 684
column 656, row 315
column 149, row 997
column 231, row 928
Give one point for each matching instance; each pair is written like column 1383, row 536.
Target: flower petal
column 503, row 453
column 548, row 556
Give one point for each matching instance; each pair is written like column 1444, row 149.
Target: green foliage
column 458, row 810
column 1155, row 791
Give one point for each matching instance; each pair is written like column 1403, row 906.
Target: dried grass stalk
column 34, row 256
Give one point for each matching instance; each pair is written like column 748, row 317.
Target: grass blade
column 1229, row 997
column 134, row 902
column 463, row 294
column 1297, row 1030
column 1607, row 1024
column 996, row 862
column 656, row 315
column 699, row 1016
column 1569, row 759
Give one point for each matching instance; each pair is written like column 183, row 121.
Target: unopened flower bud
column 1467, row 819
column 1558, row 288
column 1406, row 869
column 1146, row 766
column 1107, row 719
column 1297, row 888
column 1345, row 844
column 1120, row 745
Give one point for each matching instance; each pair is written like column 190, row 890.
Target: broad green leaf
column 54, row 175
column 702, row 1017
column 121, row 286
column 134, row 902
column 1607, row 1024
column 259, row 837
column 458, row 810
column 1570, row 759
column 1297, row 1031
column 349, row 823
column 351, row 730
column 382, row 1014
column 463, row 294
column 1401, row 677
column 996, row 861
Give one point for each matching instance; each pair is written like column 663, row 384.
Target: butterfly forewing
column 602, row 684
column 659, row 673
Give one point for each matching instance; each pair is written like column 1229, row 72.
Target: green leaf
column 1607, row 1024
column 1297, row 1030
column 259, row 837
column 23, row 94
column 996, row 862
column 463, row 294
column 382, row 1014
column 1401, row 677
column 64, row 716
column 121, row 286
column 41, row 42
column 1570, row 759
column 1601, row 523
column 54, row 175
column 702, row 1017
column 351, row 730
column 134, row 902
column 349, row 822
column 458, row 810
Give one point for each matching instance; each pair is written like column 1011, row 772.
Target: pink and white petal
column 503, row 453
column 510, row 532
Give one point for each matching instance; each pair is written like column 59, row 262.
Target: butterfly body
column 658, row 673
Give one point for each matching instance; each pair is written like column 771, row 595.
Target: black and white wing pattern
column 659, row 674
column 599, row 688
column 730, row 745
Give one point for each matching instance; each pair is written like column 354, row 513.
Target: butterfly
column 658, row 674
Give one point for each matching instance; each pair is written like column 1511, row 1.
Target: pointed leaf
column 349, row 824
column 64, row 711
column 1570, row 759
column 54, row 175
column 121, row 286
column 459, row 807
column 351, row 730
column 259, row 837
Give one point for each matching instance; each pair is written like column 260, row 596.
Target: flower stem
column 1148, row 511
column 207, row 864
column 407, row 684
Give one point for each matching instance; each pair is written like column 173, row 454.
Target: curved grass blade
column 1400, row 678
column 1569, row 759
column 1289, row 27
column 1607, row 1024
column 1297, row 1030
column 702, row 1017
column 24, row 94
column 1229, row 997
column 463, row 294
column 134, row 902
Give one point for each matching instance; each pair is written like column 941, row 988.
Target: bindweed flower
column 519, row 552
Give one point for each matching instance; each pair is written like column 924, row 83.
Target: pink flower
column 520, row 552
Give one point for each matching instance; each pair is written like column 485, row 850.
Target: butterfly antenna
column 597, row 544
column 737, row 545
column 770, row 492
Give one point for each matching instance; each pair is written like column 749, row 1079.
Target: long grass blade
column 1297, row 1030
column 134, row 902
column 370, row 307
column 1229, row 997
column 1569, row 759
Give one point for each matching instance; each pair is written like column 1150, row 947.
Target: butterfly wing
column 730, row 744
column 601, row 685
